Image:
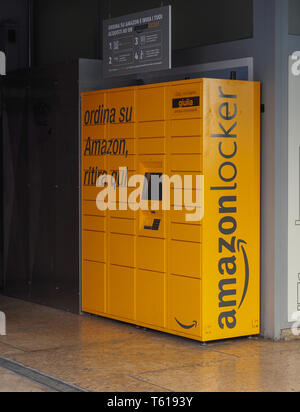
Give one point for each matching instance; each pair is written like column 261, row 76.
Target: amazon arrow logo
column 194, row 325
column 247, row 273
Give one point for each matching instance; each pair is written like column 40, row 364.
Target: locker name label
column 228, row 244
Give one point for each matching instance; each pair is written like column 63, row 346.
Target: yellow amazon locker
column 170, row 192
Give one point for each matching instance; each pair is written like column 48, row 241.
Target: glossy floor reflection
column 98, row 354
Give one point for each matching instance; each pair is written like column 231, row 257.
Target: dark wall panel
column 41, row 198
column 15, row 32
column 64, row 29
column 201, row 23
column 294, row 17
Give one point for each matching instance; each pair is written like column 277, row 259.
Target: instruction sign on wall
column 137, row 43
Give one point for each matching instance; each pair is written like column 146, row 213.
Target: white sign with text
column 294, row 188
column 2, row 64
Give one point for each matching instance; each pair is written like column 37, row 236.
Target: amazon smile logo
column 241, row 248
column 193, row 325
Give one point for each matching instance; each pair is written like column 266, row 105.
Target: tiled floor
column 10, row 382
column 103, row 355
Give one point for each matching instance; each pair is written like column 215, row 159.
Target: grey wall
column 287, row 41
